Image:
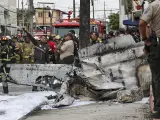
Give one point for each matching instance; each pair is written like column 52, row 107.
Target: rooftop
column 48, row 8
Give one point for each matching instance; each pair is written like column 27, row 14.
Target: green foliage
column 114, row 21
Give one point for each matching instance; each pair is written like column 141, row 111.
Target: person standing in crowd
column 58, row 43
column 76, row 48
column 74, row 37
column 100, row 38
column 18, row 49
column 7, row 56
column 41, row 49
column 94, row 38
column 27, row 51
column 53, row 49
column 152, row 16
column 67, row 50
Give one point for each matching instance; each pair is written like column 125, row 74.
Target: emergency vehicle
column 62, row 27
column 41, row 30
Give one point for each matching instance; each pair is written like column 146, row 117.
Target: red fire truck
column 62, row 27
column 41, row 30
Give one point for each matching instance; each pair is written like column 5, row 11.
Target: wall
column 11, row 19
column 39, row 20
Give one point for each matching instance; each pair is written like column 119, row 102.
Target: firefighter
column 18, row 49
column 152, row 46
column 27, row 51
column 7, row 56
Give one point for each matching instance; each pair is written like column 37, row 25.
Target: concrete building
column 8, row 16
column 122, row 14
column 43, row 16
column 130, row 12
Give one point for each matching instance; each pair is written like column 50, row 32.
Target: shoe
column 156, row 115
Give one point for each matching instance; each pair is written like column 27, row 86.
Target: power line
column 7, row 9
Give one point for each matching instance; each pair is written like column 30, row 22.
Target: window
column 40, row 14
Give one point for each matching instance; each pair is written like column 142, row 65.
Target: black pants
column 154, row 62
column 67, row 60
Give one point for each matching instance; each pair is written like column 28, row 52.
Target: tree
column 114, row 21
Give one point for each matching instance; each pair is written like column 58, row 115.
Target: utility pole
column 105, row 14
column 18, row 4
column 93, row 8
column 31, row 10
column 84, row 23
column 51, row 16
column 22, row 15
column 74, row 9
column 43, row 14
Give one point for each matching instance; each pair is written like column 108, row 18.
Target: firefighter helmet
column 3, row 38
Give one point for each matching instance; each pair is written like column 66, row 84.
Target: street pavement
column 16, row 89
column 98, row 111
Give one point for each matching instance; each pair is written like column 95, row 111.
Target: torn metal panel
column 28, row 73
column 106, row 69
column 113, row 44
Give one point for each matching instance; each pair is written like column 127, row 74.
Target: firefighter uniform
column 152, row 16
column 18, row 50
column 27, row 53
column 7, row 56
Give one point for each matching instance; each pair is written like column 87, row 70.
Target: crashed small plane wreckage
column 106, row 70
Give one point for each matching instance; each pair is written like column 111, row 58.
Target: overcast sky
column 66, row 5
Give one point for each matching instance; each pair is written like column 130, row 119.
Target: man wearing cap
column 67, row 50
column 152, row 45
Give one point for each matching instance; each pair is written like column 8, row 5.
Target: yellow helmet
column 58, row 37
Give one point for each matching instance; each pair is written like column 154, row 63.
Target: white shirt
column 67, row 48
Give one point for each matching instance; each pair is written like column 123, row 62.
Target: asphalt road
column 16, row 89
column 98, row 111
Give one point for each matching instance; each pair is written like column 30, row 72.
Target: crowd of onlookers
column 56, row 49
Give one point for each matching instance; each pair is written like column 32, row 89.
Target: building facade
column 130, row 11
column 8, row 17
column 122, row 14
column 43, row 16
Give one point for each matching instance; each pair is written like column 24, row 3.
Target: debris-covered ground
column 96, row 111
column 83, row 109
